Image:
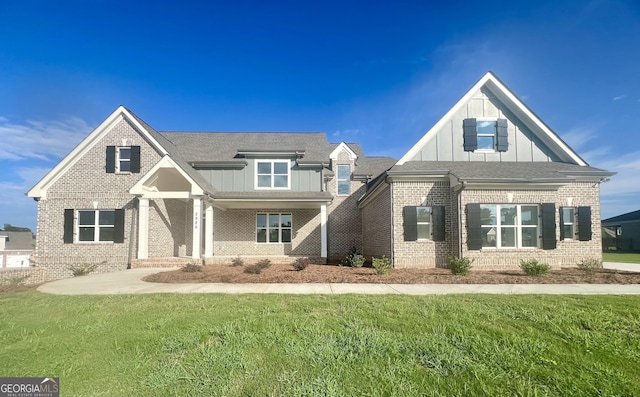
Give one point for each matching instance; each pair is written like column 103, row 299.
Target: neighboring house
column 489, row 181
column 15, row 249
column 622, row 232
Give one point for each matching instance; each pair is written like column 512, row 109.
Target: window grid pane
column 516, row 227
column 272, row 174
column 273, row 228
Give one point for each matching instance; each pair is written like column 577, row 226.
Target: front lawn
column 624, row 257
column 298, row 345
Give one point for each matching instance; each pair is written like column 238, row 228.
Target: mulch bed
column 340, row 274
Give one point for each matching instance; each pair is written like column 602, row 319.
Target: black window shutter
column 548, row 226
column 135, row 159
column 68, row 226
column 410, row 223
column 561, row 213
column 118, row 227
column 474, row 227
column 584, row 223
column 437, row 219
column 502, row 134
column 470, row 135
column 111, row 159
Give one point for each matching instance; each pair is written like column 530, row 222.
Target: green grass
column 277, row 345
column 626, row 257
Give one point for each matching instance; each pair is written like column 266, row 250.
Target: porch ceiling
column 270, row 200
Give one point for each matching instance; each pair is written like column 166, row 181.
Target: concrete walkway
column 129, row 282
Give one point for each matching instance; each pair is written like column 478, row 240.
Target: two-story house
column 489, row 181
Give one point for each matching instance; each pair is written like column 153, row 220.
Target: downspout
column 392, row 234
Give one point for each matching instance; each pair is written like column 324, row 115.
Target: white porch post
column 208, row 231
column 197, row 235
column 143, row 228
column 323, row 230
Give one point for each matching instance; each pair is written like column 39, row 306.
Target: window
column 95, row 225
column 424, row 223
column 568, row 219
column 509, row 226
column 344, row 180
column 123, row 161
column 485, row 135
column 273, row 228
column 272, row 174
column 423, row 218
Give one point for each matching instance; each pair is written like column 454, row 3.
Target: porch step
column 161, row 262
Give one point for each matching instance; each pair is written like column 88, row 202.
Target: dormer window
column 123, row 159
column 273, row 174
column 344, row 180
column 485, row 135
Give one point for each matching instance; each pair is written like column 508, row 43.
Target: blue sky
column 378, row 73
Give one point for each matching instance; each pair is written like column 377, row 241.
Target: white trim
column 96, row 226
column 323, row 231
column 196, row 228
column 273, row 174
column 338, row 180
column 493, row 84
column 280, row 228
column 208, row 230
column 343, row 146
column 166, row 162
column 40, row 189
column 143, row 228
column 118, row 160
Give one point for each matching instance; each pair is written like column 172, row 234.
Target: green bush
column 237, row 261
column 460, row 266
column 382, row 265
column 301, row 264
column 264, row 263
column 354, row 258
column 590, row 265
column 192, row 267
column 83, row 269
column 534, row 268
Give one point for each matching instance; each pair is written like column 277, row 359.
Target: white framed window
column 273, row 228
column 344, row 180
column 568, row 223
column 123, row 159
column 95, row 225
column 423, row 217
column 486, row 130
column 509, row 225
column 273, row 174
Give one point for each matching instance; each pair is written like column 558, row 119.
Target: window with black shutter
column 485, row 135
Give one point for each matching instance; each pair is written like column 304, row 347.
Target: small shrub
column 301, row 264
column 258, row 267
column 253, row 269
column 460, row 266
column 83, row 269
column 382, row 265
column 192, row 267
column 354, row 258
column 534, row 268
column 264, row 263
column 235, row 262
column 590, row 265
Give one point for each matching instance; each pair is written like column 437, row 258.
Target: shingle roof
column 500, row 171
column 628, row 217
column 206, row 146
column 19, row 240
column 373, row 166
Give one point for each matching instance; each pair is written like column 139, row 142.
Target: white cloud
column 48, row 140
column 578, row 137
column 617, row 98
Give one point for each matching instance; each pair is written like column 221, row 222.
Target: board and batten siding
column 448, row 143
column 243, row 180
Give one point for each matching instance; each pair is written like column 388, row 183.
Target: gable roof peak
column 515, row 105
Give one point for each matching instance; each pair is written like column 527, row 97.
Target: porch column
column 208, row 231
column 143, row 228
column 323, row 230
column 197, row 228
